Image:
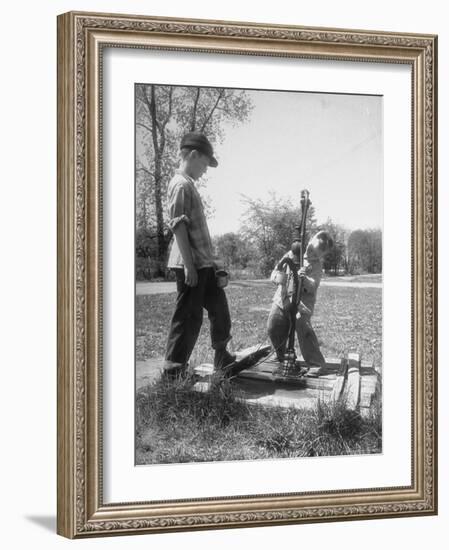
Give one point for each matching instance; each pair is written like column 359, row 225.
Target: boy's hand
column 219, row 264
column 191, row 276
column 302, row 272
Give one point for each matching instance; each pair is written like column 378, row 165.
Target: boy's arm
column 182, row 238
column 309, row 283
column 179, row 219
column 273, row 276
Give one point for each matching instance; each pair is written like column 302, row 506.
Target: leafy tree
column 270, row 227
column 336, row 259
column 146, row 254
column 365, row 251
column 234, row 250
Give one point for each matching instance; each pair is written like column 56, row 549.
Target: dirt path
column 352, row 284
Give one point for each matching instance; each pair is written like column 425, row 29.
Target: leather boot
column 223, row 358
column 173, row 372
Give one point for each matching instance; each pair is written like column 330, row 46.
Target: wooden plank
column 259, row 386
column 365, row 412
column 304, row 402
column 340, row 380
column 352, row 386
column 205, row 369
column 367, row 368
column 332, row 363
column 367, row 364
column 325, row 383
column 370, row 371
column 322, row 383
column 368, row 388
column 270, row 365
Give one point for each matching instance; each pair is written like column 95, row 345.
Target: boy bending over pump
column 278, row 324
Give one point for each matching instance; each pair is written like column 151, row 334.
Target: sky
column 330, row 144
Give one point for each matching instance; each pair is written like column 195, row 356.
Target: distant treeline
column 265, row 234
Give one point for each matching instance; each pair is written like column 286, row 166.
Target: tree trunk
column 161, row 248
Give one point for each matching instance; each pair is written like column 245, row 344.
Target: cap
column 198, row 141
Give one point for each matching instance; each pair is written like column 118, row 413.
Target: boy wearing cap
column 191, row 258
column 278, row 324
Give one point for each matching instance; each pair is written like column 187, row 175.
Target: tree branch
column 151, row 104
column 167, row 118
column 143, row 169
column 144, row 126
column 195, row 105
column 220, row 95
column 170, row 108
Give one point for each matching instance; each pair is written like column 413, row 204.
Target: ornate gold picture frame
column 82, row 40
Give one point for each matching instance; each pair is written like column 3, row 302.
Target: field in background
column 345, row 318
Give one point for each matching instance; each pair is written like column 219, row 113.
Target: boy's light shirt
column 185, row 206
column 310, row 284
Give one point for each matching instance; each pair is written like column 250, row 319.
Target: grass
column 345, row 318
column 363, row 278
column 176, row 424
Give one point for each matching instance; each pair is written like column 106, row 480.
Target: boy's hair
column 320, row 244
column 325, row 239
column 184, row 152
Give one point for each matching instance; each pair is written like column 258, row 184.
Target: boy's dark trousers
column 278, row 326
column 188, row 316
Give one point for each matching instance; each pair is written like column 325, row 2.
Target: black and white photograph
column 247, row 282
column 258, row 274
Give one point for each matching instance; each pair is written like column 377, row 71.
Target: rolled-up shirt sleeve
column 273, row 276
column 178, row 207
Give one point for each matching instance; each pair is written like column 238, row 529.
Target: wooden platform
column 350, row 380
